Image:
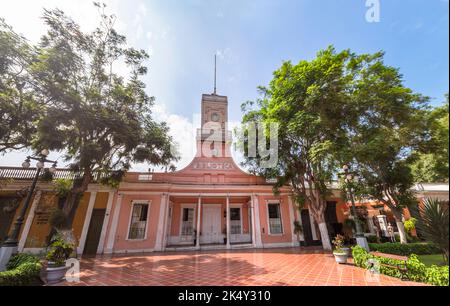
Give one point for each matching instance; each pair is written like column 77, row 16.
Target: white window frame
column 194, row 221
column 268, row 218
column 134, row 202
column 240, row 217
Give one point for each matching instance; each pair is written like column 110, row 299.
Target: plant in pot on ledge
column 340, row 253
column 59, row 251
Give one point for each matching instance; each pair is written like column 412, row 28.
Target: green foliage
column 410, row 225
column 432, row 162
column 22, row 270
column 417, row 271
column 372, row 239
column 309, row 102
column 433, row 224
column 100, row 119
column 59, row 251
column 19, row 106
column 62, row 187
column 20, row 259
column 437, row 275
column 384, row 130
column 405, row 249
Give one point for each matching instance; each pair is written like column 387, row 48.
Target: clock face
column 215, row 117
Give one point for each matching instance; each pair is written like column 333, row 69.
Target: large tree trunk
column 319, row 217
column 401, row 227
column 73, row 199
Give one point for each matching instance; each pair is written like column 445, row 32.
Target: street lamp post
column 10, row 246
column 361, row 240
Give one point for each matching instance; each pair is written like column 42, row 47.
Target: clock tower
column 213, row 138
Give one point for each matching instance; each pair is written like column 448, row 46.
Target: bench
column 401, row 267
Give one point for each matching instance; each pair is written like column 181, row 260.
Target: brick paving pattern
column 268, row 267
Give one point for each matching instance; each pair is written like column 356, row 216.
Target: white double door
column 211, row 224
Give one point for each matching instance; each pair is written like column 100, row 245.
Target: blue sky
column 252, row 38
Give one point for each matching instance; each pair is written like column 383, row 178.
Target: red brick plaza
column 269, row 267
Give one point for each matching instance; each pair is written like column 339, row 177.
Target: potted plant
column 59, row 251
column 298, row 230
column 340, row 254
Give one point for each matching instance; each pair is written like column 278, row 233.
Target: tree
column 433, row 224
column 308, row 101
column 100, row 120
column 19, row 106
column 385, row 130
column 432, row 164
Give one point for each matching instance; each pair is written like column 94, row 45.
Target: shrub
column 437, row 275
column 20, row 259
column 417, row 271
column 372, row 238
column 410, row 225
column 22, row 270
column 405, row 249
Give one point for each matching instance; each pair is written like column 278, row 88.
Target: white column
column 199, row 214
column 228, row 223
column 101, row 243
column 292, row 220
column 166, row 222
column 113, row 229
column 160, row 228
column 29, row 222
column 87, row 221
column 252, row 213
column 258, row 239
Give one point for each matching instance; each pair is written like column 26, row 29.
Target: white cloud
column 183, row 132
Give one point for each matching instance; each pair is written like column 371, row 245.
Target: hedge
column 22, row 270
column 417, row 271
column 405, row 249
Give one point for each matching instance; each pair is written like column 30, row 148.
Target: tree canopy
column 19, row 106
column 96, row 112
column 341, row 108
column 431, row 165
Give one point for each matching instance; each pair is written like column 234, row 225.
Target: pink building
column 211, row 203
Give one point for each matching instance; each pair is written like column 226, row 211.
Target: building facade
column 210, row 204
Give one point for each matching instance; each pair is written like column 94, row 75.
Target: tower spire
column 215, row 74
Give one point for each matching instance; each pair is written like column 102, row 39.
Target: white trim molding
column 113, row 229
column 101, row 243
column 29, row 222
column 138, row 202
column 269, row 232
column 87, row 221
column 161, row 221
column 258, row 240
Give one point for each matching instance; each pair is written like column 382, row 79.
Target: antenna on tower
column 215, row 74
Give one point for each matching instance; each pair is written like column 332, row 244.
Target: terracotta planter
column 341, row 258
column 55, row 274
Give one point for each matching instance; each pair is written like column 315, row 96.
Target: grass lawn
column 429, row 260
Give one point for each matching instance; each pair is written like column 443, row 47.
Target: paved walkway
column 279, row 267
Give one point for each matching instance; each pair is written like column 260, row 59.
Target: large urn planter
column 340, row 257
column 348, row 251
column 58, row 253
column 55, row 273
